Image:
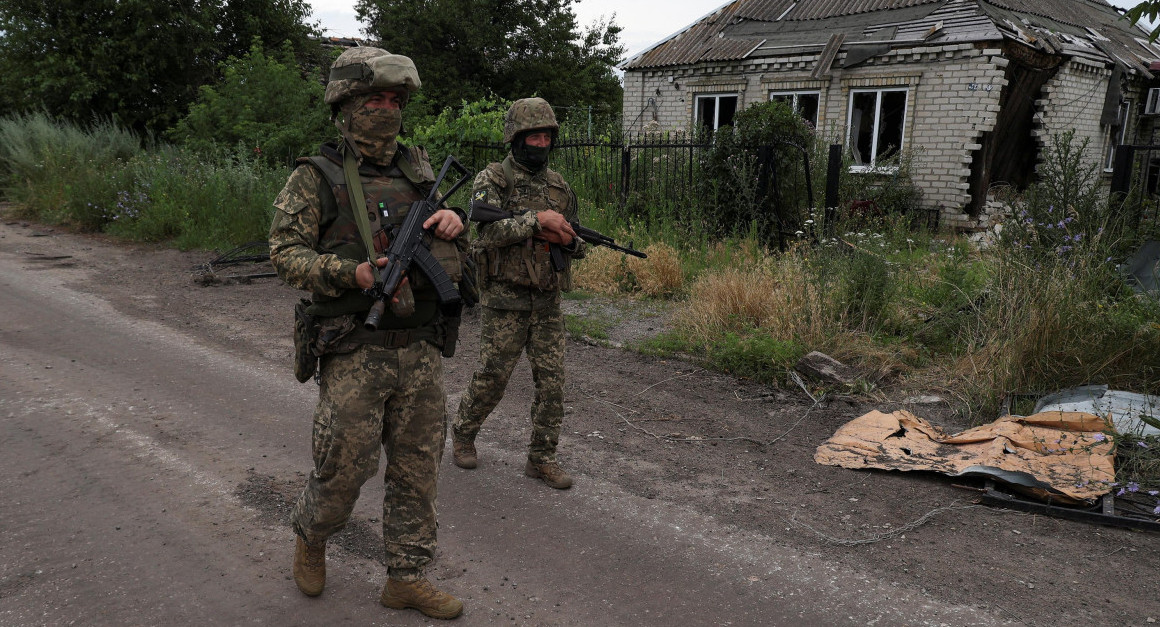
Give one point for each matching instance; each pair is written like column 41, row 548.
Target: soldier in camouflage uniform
column 520, row 289
column 379, row 388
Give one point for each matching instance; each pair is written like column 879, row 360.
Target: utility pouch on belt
column 305, row 361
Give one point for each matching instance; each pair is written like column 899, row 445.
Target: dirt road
column 152, row 439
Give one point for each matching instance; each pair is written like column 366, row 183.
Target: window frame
column 795, row 94
column 716, row 108
column 1120, row 129
column 873, row 165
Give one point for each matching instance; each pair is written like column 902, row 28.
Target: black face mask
column 531, row 157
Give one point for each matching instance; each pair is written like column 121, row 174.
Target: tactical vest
column 529, row 263
column 389, row 193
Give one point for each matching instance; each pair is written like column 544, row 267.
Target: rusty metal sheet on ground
column 1056, row 455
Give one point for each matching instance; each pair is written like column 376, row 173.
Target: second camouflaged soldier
column 379, row 389
column 520, row 288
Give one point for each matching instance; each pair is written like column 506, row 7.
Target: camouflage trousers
column 378, row 397
column 504, row 335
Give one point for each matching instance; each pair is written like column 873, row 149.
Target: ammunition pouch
column 305, row 361
column 315, row 336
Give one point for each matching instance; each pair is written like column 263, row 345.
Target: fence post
column 625, row 166
column 833, row 173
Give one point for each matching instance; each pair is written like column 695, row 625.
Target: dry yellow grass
column 775, row 296
column 660, row 274
column 602, row 271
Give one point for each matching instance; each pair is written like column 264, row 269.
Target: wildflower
column 1099, row 437
column 1142, row 444
column 1121, row 492
column 1133, row 486
column 1153, row 492
column 1157, row 510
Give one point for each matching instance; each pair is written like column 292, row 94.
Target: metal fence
column 640, row 173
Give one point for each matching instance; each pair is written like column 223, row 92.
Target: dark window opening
column 877, row 119
column 715, row 111
column 804, row 103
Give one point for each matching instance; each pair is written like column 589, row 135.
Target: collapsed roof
column 750, row 29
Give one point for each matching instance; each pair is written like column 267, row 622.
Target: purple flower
column 1157, row 510
column 1100, row 437
column 1142, row 444
column 1133, row 486
column 1153, row 492
column 1121, row 492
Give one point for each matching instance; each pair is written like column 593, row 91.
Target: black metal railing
column 637, row 174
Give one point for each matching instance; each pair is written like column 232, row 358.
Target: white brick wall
column 953, row 98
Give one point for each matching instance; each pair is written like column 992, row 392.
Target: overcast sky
column 645, row 22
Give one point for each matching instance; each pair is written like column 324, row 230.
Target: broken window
column 715, row 110
column 1116, row 133
column 877, row 117
column 804, row 103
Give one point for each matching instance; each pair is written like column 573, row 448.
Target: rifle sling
column 359, row 202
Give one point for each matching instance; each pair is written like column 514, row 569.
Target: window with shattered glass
column 716, row 110
column 804, row 103
column 876, row 123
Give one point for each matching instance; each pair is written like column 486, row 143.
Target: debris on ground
column 824, row 368
column 1063, row 457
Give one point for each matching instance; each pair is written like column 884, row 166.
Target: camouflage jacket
column 514, row 267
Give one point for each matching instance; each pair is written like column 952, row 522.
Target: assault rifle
column 407, row 249
column 485, row 213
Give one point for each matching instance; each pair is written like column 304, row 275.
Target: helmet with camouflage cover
column 528, row 114
column 366, row 69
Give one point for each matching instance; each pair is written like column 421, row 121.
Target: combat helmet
column 528, row 114
column 365, row 69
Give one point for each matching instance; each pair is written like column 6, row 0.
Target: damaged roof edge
column 627, row 62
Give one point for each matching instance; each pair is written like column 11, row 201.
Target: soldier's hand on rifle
column 365, row 277
column 448, row 224
column 555, row 228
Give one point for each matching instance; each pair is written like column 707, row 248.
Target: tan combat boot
column 420, row 595
column 550, row 473
column 463, row 454
column 309, row 567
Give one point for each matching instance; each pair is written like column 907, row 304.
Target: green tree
column 137, row 62
column 262, row 102
column 276, row 23
column 470, row 49
column 1149, row 10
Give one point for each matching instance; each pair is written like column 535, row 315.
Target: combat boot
column 550, row 472
column 463, row 454
column 309, row 567
column 420, row 595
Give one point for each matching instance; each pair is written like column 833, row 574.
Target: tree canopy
column 466, row 50
column 136, row 62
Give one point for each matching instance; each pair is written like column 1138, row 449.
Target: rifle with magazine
column 407, row 249
column 484, row 213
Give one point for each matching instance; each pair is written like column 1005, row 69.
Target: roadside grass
column 593, row 328
column 102, row 179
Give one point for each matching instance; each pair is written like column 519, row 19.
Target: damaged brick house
column 975, row 87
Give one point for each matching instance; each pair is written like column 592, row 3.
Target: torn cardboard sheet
column 1058, row 456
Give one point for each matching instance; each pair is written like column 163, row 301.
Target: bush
column 730, row 185
column 262, row 103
